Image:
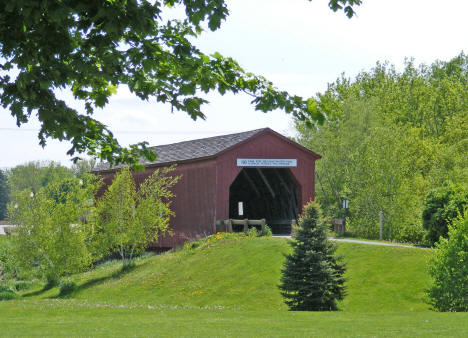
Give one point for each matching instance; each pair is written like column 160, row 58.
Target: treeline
column 34, row 175
column 390, row 138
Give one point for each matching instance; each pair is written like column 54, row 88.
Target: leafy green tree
column 34, row 175
column 4, row 194
column 7, row 265
column 441, row 207
column 52, row 227
column 449, row 269
column 92, row 47
column 312, row 277
column 129, row 219
column 387, row 138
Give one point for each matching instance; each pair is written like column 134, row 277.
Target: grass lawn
column 70, row 318
column 228, row 286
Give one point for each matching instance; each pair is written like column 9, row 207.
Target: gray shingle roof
column 190, row 150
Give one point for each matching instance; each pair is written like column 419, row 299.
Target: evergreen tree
column 312, row 277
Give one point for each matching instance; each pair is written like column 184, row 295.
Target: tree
column 52, row 227
column 449, row 269
column 312, row 277
column 4, row 194
column 92, row 47
column 129, row 219
column 441, row 207
column 34, row 175
column 387, row 138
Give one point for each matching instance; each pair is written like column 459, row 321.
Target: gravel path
column 365, row 242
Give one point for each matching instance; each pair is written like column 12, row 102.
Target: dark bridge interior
column 269, row 193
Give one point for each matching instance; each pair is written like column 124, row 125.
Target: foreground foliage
column 312, row 277
column 127, row 218
column 60, row 229
column 52, row 231
column 7, row 263
column 91, row 47
column 449, row 270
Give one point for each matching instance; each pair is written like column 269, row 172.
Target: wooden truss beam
column 251, row 182
column 266, row 182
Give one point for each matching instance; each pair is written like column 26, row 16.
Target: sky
column 301, row 46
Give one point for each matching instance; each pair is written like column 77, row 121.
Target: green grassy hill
column 228, row 287
column 243, row 273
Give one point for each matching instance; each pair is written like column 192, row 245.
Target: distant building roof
column 190, row 150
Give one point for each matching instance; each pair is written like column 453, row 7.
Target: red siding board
column 194, row 204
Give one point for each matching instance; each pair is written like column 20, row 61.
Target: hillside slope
column 243, row 273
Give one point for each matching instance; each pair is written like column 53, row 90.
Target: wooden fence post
column 229, row 225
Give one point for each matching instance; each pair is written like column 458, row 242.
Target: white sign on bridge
column 267, row 162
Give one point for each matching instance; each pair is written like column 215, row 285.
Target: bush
column 53, row 235
column 66, row 288
column 252, row 232
column 5, row 288
column 6, row 293
column 449, row 270
column 441, row 207
column 266, row 231
column 9, row 268
column 312, row 277
column 23, row 285
column 6, row 263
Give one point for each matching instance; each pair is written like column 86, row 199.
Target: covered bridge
column 257, row 174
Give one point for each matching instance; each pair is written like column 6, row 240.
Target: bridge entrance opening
column 269, row 193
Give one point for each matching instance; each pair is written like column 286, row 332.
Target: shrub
column 6, row 293
column 312, row 277
column 194, row 244
column 23, row 285
column 266, row 231
column 449, row 270
column 67, row 287
column 252, row 232
column 441, row 207
column 5, row 288
column 52, row 232
column 7, row 266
